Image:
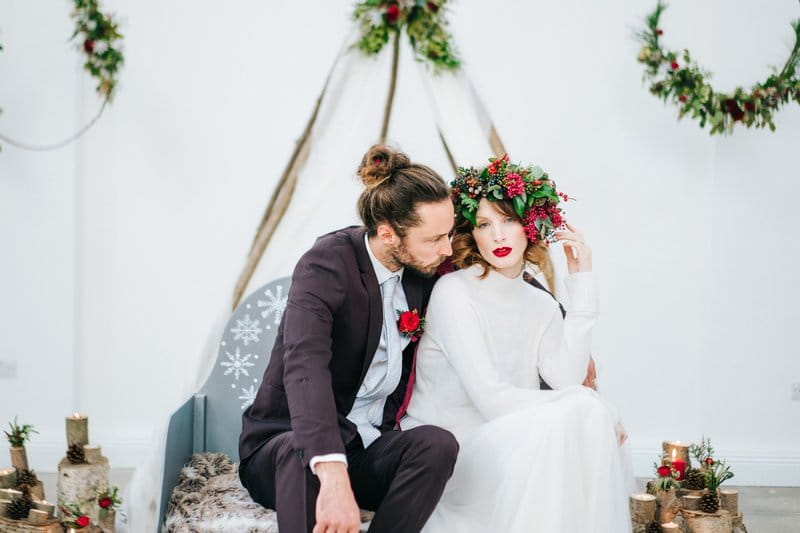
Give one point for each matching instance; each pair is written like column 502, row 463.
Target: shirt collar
column 381, row 272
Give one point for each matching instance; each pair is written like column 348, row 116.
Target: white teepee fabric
column 324, row 198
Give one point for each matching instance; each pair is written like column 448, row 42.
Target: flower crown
column 529, row 188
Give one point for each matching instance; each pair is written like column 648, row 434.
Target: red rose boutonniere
column 410, row 324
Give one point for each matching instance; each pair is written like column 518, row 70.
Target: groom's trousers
column 400, row 476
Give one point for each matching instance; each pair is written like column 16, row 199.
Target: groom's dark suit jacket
column 325, row 344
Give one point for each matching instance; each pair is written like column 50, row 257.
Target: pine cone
column 709, row 503
column 27, row 477
column 19, row 508
column 653, row 528
column 75, row 454
column 694, row 480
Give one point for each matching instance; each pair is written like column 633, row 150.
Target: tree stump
column 700, row 522
column 738, row 524
column 691, row 502
column 8, row 478
column 643, row 510
column 37, row 491
column 23, row 526
column 729, row 500
column 19, row 458
column 667, row 505
column 77, row 483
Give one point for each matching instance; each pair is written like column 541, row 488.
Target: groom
column 319, row 441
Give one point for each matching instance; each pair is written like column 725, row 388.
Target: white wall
column 119, row 251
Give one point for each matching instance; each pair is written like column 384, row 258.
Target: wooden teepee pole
column 280, row 200
column 392, row 85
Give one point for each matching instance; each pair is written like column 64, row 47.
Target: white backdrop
column 119, row 251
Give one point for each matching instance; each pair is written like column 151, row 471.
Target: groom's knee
column 437, row 447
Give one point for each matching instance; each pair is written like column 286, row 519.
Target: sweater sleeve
column 456, row 327
column 566, row 343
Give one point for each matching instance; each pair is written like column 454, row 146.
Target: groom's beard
column 403, row 258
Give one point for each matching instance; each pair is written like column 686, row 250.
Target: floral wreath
column 424, row 23
column 687, row 86
column 98, row 40
column 529, row 188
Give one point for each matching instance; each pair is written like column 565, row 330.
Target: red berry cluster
column 497, row 164
column 542, row 212
column 514, row 185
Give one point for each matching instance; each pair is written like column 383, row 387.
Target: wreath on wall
column 98, row 40
column 676, row 78
column 423, row 21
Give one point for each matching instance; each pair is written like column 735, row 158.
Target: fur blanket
column 210, row 499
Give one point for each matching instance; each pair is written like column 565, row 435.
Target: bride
column 549, row 461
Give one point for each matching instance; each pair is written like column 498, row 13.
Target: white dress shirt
column 367, row 411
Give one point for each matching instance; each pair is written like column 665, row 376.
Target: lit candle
column 8, row 478
column 679, row 465
column 670, row 527
column 77, row 429
column 682, row 450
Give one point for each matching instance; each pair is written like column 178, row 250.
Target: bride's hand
column 579, row 255
column 622, row 435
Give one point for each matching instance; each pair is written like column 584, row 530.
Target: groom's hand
column 337, row 510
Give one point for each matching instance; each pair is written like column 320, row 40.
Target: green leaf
column 498, row 194
column 537, row 172
column 469, row 215
column 519, row 205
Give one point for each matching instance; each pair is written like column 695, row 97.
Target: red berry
column 88, row 46
column 659, row 31
column 82, row 521
column 674, row 65
column 683, row 98
column 392, row 13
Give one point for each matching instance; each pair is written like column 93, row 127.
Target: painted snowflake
column 275, row 304
column 247, row 330
column 237, row 363
column 248, row 396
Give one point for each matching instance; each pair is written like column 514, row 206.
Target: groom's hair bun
column 379, row 164
column 393, row 187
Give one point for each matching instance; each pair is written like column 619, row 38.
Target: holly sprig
column 98, row 37
column 19, row 433
column 676, row 78
column 424, row 22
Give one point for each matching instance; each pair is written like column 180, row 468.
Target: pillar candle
column 92, row 453
column 77, row 429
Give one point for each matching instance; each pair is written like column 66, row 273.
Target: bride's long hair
column 465, row 250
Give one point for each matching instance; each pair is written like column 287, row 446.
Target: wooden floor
column 765, row 509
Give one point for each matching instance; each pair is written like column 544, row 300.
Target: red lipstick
column 502, row 252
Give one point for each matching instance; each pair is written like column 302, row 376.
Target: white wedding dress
column 530, row 460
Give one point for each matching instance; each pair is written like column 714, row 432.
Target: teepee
column 317, row 191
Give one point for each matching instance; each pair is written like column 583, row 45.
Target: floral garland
column 529, row 188
column 675, row 77
column 99, row 40
column 424, row 23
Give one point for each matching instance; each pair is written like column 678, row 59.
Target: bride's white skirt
column 554, row 468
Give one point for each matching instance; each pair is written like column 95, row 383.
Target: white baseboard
column 749, row 468
column 45, row 456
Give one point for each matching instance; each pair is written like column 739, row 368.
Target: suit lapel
column 375, row 311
